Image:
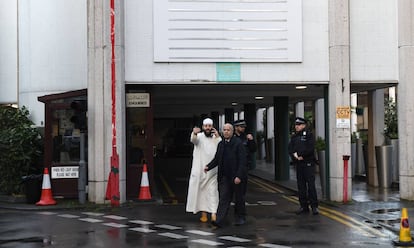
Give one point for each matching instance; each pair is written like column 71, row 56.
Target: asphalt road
column 271, row 222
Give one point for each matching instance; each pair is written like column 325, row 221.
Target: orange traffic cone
column 144, row 193
column 405, row 236
column 46, row 198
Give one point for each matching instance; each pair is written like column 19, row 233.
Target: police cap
column 300, row 120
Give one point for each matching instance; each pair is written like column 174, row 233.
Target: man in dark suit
column 232, row 170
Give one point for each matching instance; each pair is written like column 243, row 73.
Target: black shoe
column 302, row 211
column 239, row 222
column 315, row 211
column 215, row 225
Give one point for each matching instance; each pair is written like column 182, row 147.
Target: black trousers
column 227, row 189
column 305, row 176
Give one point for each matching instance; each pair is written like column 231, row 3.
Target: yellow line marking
column 167, row 187
column 267, row 186
column 346, row 220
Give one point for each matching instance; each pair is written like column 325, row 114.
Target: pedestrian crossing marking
column 235, row 239
column 70, row 216
column 91, row 220
column 141, row 222
column 115, row 217
column 46, row 213
column 117, row 225
column 173, row 235
column 206, row 242
column 169, row 227
column 198, row 232
column 92, row 213
column 142, row 229
column 274, row 246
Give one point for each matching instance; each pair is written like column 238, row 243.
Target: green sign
column 228, row 72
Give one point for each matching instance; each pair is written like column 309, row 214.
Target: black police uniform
column 303, row 143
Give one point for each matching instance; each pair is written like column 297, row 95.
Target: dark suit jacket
column 234, row 162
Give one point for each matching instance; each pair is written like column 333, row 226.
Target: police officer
column 246, row 139
column 302, row 151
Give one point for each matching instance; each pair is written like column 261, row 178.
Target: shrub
column 20, row 148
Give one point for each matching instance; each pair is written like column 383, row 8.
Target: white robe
column 203, row 187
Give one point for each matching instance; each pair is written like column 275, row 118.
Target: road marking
column 115, row 217
column 47, row 213
column 266, row 186
column 141, row 222
column 345, row 219
column 235, row 239
column 273, row 246
column 92, row 213
column 173, row 235
column 117, row 225
column 267, row 203
column 70, row 216
column 206, row 242
column 199, row 232
column 90, row 220
column 169, row 227
column 142, row 229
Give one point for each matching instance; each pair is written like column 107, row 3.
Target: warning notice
column 65, row 172
column 343, row 117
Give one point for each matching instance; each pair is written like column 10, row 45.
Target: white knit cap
column 208, row 121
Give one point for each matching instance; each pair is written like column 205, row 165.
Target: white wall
column 52, row 50
column 139, row 51
column 8, row 51
column 374, row 47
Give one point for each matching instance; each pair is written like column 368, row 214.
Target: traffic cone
column 144, row 193
column 405, row 236
column 46, row 198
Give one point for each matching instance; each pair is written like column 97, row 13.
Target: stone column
column 320, row 118
column 281, row 122
column 405, row 97
column 300, row 109
column 100, row 98
column 338, row 95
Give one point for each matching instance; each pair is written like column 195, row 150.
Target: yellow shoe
column 203, row 217
column 213, row 217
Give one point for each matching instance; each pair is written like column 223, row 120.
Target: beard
column 208, row 133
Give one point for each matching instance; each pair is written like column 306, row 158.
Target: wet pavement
column 371, row 219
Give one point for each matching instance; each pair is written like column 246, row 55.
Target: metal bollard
column 345, row 158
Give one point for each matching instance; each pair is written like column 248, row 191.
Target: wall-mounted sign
column 228, row 72
column 65, row 172
column 343, row 117
column 137, row 100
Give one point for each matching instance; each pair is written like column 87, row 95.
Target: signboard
column 65, row 172
column 137, row 100
column 343, row 117
column 228, row 72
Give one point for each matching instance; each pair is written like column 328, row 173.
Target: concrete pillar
column 229, row 115
column 354, row 116
column 375, row 131
column 338, row 95
column 100, row 98
column 320, row 118
column 405, row 97
column 281, row 122
column 250, row 118
column 300, row 109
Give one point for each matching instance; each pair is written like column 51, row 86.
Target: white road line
column 142, row 222
column 235, row 239
column 47, row 213
column 267, row 203
column 91, row 220
column 92, row 213
column 117, row 225
column 206, row 242
column 70, row 216
column 142, row 229
column 273, row 246
column 169, row 227
column 115, row 217
column 173, row 235
column 200, row 232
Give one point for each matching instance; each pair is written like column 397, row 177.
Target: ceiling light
column 234, row 103
column 259, row 97
column 301, row 87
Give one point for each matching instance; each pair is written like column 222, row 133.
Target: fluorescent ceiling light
column 258, row 97
column 301, row 87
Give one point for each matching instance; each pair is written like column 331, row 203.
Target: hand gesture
column 249, row 136
column 196, row 130
column 237, row 180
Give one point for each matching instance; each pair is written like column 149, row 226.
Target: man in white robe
column 203, row 187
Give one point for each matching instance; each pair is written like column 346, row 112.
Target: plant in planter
column 320, row 144
column 390, row 119
column 20, row 148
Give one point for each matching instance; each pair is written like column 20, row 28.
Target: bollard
column 345, row 158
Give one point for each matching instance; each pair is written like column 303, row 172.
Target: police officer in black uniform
column 302, row 152
column 246, row 139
